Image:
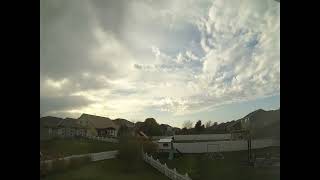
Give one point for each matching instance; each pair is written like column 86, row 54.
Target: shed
column 165, row 144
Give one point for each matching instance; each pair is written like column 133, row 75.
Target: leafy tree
column 151, row 127
column 198, row 127
column 130, row 151
column 184, row 131
column 123, row 130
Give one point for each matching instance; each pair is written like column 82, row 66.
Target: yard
column 112, row 169
column 232, row 167
column 66, row 147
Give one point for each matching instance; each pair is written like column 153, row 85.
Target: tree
column 150, row 127
column 187, row 124
column 198, row 127
column 123, row 130
column 208, row 124
column 184, row 131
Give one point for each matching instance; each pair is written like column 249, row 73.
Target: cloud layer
column 134, row 58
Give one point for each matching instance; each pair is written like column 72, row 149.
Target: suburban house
column 53, row 126
column 70, row 127
column 49, row 126
column 123, row 122
column 99, row 126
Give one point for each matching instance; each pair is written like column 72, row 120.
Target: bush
column 130, row 150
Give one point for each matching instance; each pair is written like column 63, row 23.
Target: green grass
column 229, row 168
column 66, row 147
column 112, row 169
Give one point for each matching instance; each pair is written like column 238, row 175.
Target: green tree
column 151, row 127
column 199, row 127
column 123, row 130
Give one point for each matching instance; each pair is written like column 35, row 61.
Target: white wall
column 202, row 137
column 201, row 147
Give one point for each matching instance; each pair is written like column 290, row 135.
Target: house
column 49, row 127
column 70, row 127
column 99, row 126
column 123, row 122
column 57, row 127
column 127, row 127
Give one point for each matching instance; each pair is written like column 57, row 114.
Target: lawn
column 112, row 169
column 232, row 167
column 66, row 147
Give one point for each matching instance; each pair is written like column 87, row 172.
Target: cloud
column 131, row 59
column 48, row 104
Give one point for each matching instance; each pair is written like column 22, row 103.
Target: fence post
column 187, row 177
column 174, row 173
column 165, row 169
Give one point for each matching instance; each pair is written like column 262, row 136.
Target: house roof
column 99, row 122
column 121, row 122
column 50, row 121
column 165, row 140
column 70, row 122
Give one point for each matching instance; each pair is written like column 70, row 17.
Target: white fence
column 202, row 137
column 196, row 137
column 222, row 146
column 105, row 139
column 93, row 156
column 171, row 173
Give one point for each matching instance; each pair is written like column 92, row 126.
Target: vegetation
column 150, row 127
column 130, row 149
column 109, row 169
column 198, row 127
column 55, row 148
column 59, row 165
column 232, row 167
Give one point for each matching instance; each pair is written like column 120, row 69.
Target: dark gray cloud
column 48, row 104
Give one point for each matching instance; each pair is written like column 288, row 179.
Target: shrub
column 149, row 147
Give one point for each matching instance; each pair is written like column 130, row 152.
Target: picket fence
column 163, row 168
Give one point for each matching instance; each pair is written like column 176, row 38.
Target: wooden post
column 165, row 169
column 186, row 175
column 175, row 173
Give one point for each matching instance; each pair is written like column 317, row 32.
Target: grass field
column 232, row 167
column 112, row 169
column 66, row 147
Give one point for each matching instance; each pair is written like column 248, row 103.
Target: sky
column 174, row 60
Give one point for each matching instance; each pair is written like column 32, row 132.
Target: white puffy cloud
column 130, row 59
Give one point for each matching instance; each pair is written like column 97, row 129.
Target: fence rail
column 93, row 156
column 105, row 139
column 163, row 168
